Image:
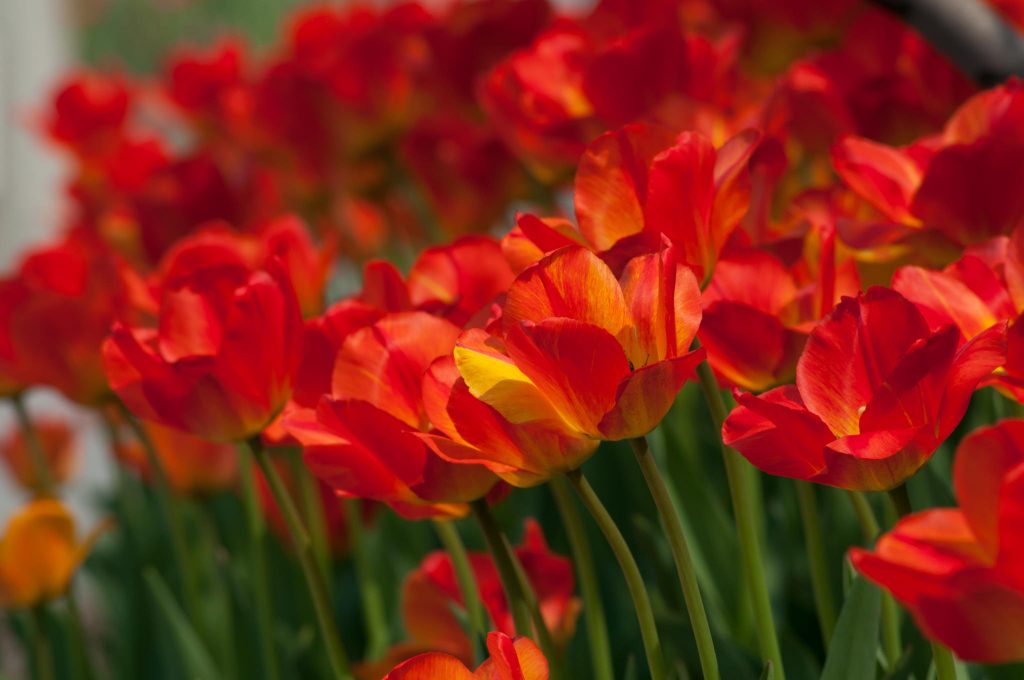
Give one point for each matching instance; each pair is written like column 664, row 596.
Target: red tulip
column 210, row 86
column 59, row 448
column 221, row 361
column 511, row 659
column 959, row 184
column 563, row 318
column 363, row 437
column 876, row 393
column 54, row 314
column 89, row 112
column 959, row 571
column 758, row 313
column 638, row 181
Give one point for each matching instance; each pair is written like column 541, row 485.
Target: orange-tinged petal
column 518, row 659
column 384, row 363
column 39, row 552
column 576, row 366
column 611, row 183
column 886, row 177
column 680, row 197
column 943, row 299
column 573, row 283
column 646, row 395
column 431, row 666
column 495, row 379
column 664, row 303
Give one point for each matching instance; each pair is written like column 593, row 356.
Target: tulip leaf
column 769, row 671
column 851, row 656
column 198, row 663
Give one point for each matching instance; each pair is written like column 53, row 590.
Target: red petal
column 777, row 434
column 646, row 395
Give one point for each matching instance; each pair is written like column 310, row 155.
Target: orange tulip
column 511, row 659
column 39, row 552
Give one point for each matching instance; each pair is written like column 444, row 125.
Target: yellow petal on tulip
column 495, row 380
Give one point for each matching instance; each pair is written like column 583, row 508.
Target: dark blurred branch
column 971, row 34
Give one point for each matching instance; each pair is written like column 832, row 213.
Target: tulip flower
column 958, row 571
column 89, row 112
column 637, row 184
column 758, row 313
column 362, row 437
column 54, row 314
column 946, row 184
column 59, row 450
column 221, row 360
column 511, row 659
column 876, row 393
column 39, row 553
column 431, row 592
column 583, row 356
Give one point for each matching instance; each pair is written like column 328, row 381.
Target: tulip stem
column 945, row 664
column 369, row 586
column 901, row 499
column 256, row 527
column 824, row 602
column 891, row 641
column 171, row 510
column 593, row 606
column 456, row 549
column 630, row 570
column 81, row 650
column 43, row 482
column 502, row 555
column 745, row 513
column 312, row 508
column 673, row 526
column 42, row 648
column 307, row 560
column 865, row 516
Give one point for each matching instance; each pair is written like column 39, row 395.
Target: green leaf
column 769, row 671
column 196, row 659
column 851, row 656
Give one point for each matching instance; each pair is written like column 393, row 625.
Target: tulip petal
column 431, row 666
column 777, row 434
column 576, row 366
column 646, row 395
column 943, row 299
column 886, row 177
column 983, row 460
column 852, row 351
column 573, row 283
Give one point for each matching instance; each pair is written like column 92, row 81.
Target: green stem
column 256, row 528
column 42, row 647
column 593, row 606
column 945, row 663
column 171, row 509
column 901, row 499
column 891, row 642
column 746, row 516
column 83, row 663
column 503, row 563
column 630, row 570
column 865, row 516
column 452, row 542
column 310, row 569
column 824, row 602
column 312, row 509
column 369, row 586
column 673, row 526
column 44, row 484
